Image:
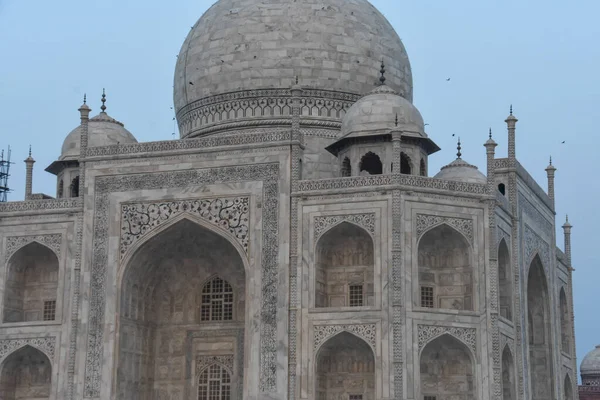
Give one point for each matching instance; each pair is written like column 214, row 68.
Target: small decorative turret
column 567, row 230
column 550, row 170
column 29, row 161
column 511, row 121
column 490, row 146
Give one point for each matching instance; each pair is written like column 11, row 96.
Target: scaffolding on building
column 4, row 174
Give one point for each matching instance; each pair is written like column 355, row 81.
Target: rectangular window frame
column 427, row 300
column 49, row 310
column 356, row 297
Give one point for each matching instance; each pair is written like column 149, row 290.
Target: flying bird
column 448, row 80
column 192, row 83
column 563, row 142
column 453, row 135
column 426, row 124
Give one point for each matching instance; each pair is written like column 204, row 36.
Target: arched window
column 502, row 189
column 422, row 168
column 345, row 369
column 32, row 284
column 26, row 374
column 346, row 167
column 214, row 383
column 504, row 281
column 445, row 270
column 344, row 268
column 61, row 189
column 217, row 301
column 539, row 332
column 446, row 370
column 405, row 166
column 75, row 187
column 564, row 323
column 371, row 164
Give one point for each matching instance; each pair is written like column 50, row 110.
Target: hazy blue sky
column 541, row 56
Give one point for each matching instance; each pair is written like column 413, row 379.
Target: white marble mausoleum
column 292, row 244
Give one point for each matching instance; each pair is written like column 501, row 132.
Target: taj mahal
column 292, row 243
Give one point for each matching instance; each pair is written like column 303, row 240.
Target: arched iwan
column 26, row 374
column 345, row 365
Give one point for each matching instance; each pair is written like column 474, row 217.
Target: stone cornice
column 47, row 206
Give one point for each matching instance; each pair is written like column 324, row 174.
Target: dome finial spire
column 490, row 133
column 511, row 110
column 29, row 150
column 103, row 108
column 382, row 71
column 84, row 98
column 396, row 119
column 459, row 154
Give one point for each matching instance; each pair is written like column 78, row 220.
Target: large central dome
column 332, row 45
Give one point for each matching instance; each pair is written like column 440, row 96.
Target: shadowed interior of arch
column 26, row 375
column 344, row 268
column 31, row 285
column 508, row 375
column 345, row 367
column 446, row 370
column 539, row 332
column 568, row 388
column 504, row 281
column 182, row 281
column 370, row 164
column 445, row 270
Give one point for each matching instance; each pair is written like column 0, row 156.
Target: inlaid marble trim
column 535, row 245
column 46, row 345
column 323, row 223
column 426, row 333
column 426, row 222
column 230, row 214
column 322, row 333
column 14, row 243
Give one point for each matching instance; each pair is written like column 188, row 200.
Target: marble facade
column 245, row 261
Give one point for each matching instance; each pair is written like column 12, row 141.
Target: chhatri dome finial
column 30, row 151
column 458, row 148
column 382, row 71
column 490, row 133
column 103, row 108
column 396, row 119
column 84, row 98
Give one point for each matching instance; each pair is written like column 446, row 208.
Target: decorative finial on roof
column 382, row 71
column 29, row 150
column 551, row 163
column 490, row 133
column 567, row 218
column 103, row 108
column 296, row 79
column 84, row 98
column 396, row 119
column 511, row 110
column 458, row 148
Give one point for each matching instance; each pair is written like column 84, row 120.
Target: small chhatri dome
column 591, row 363
column 103, row 130
column 374, row 114
column 460, row 170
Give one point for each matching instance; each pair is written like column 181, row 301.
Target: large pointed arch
column 346, row 358
column 26, row 370
column 568, row 388
column 166, row 275
column 445, row 270
column 31, row 285
column 539, row 332
column 344, row 267
column 439, row 381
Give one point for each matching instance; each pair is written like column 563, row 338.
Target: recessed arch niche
column 504, row 281
column 539, row 332
column 446, row 370
column 568, row 388
column 183, row 281
column 345, row 369
column 26, row 374
column 31, row 285
column 445, row 270
column 508, row 375
column 344, row 273
column 370, row 164
column 565, row 325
